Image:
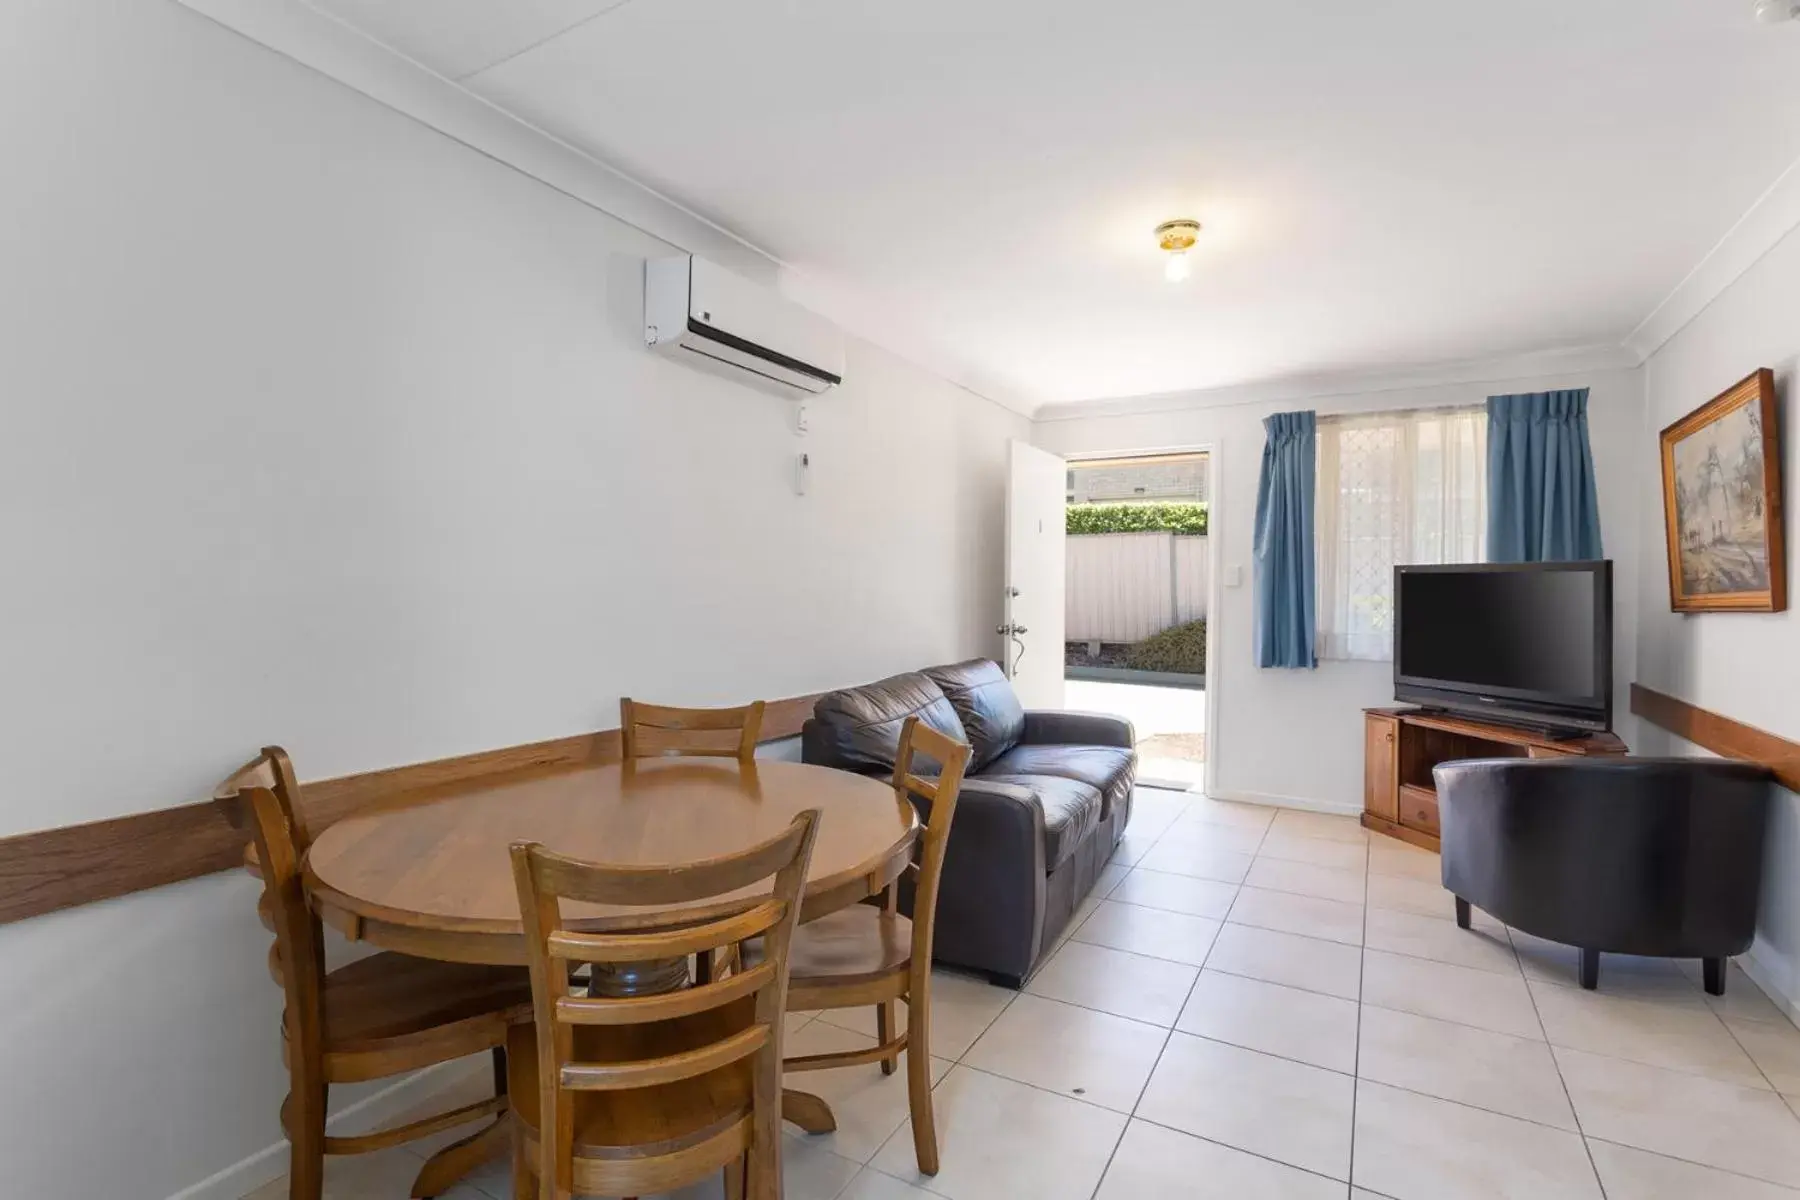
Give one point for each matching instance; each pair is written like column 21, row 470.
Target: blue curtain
column 1541, row 501
column 1286, row 600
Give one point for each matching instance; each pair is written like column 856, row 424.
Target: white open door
column 1031, row 638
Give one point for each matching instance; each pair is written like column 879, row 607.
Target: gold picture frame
column 1721, row 470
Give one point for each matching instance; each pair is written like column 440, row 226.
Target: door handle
column 1013, row 630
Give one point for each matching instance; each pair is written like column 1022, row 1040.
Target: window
column 1393, row 488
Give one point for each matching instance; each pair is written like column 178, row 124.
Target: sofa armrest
column 1049, row 727
column 990, row 911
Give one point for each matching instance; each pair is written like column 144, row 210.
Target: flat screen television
column 1521, row 643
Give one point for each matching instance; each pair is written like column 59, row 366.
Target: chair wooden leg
column 918, row 1072
column 884, row 1032
column 734, row 1180
column 306, row 1136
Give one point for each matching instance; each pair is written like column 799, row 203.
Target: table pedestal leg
column 618, row 980
column 807, row 1111
column 444, row 1169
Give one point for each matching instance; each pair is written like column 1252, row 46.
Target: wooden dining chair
column 618, row 1096
column 653, row 730
column 866, row 954
column 383, row 1015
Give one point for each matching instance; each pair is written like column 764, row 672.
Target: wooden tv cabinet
column 1401, row 745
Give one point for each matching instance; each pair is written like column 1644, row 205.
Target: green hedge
column 1136, row 518
column 1180, row 648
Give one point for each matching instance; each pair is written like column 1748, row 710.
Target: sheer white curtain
column 1393, row 488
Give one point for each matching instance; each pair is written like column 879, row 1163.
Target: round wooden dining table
column 431, row 875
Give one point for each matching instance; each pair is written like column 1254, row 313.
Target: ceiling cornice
column 1326, row 385
column 1775, row 214
column 322, row 43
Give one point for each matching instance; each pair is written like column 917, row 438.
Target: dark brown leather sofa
column 1044, row 803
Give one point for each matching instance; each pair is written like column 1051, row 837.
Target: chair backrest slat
column 655, row 730
column 612, row 1077
column 544, row 880
column 674, row 943
column 640, row 1010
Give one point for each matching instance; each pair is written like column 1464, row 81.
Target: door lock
column 1010, row 630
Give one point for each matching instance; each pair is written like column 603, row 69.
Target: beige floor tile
column 1153, row 1163
column 1206, row 811
column 809, row 1171
column 1287, row 1111
column 1110, row 876
column 1661, row 1035
column 868, row 1105
column 1155, row 810
column 1405, row 894
column 1465, row 995
column 1132, row 847
column 1639, row 1175
column 1775, row 1049
column 1113, row 981
column 1742, row 1001
column 1620, row 974
column 1197, row 860
column 1320, row 852
column 1414, row 1147
column 1092, row 1056
column 1391, row 856
column 1001, row 1140
column 1495, row 1071
column 961, row 1008
column 1176, row 893
column 1288, row 958
column 1308, row 916
column 1305, row 1026
column 1485, row 946
column 1739, row 1129
column 1319, row 825
column 1235, row 838
column 1305, row 879
column 1155, row 932
column 871, row 1184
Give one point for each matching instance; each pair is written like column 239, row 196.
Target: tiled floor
column 1270, row 1006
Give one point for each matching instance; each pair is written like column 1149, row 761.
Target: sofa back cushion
column 860, row 727
column 987, row 705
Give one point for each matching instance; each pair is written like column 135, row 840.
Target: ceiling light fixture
column 1774, row 12
column 1177, row 237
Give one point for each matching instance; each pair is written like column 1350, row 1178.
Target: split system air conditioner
column 692, row 306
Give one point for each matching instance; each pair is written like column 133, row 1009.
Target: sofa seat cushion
column 862, row 724
column 986, row 704
column 1107, row 769
column 1071, row 811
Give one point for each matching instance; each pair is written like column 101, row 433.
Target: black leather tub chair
column 1650, row 856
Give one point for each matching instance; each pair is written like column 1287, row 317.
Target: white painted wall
column 1296, row 737
column 1741, row 665
column 322, row 429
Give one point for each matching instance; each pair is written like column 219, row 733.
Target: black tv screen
column 1529, row 643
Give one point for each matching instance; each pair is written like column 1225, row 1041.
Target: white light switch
column 1234, row 575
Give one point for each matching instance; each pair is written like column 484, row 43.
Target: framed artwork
column 1721, row 469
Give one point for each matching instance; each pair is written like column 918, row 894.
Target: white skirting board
column 388, row 1104
column 1300, row 802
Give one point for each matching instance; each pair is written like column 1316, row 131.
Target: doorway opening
column 1136, row 590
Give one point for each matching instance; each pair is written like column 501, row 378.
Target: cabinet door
column 1381, row 766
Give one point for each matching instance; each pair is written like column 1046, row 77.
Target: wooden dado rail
column 1722, row 735
column 80, row 864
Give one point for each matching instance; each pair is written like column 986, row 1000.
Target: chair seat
column 858, row 944
column 649, row 1121
column 389, row 995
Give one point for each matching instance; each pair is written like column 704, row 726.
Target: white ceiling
column 1383, row 183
